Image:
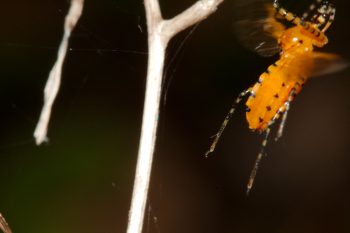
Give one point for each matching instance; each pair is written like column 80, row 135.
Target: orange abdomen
column 270, row 93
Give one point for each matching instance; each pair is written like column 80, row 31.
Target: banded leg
column 324, row 15
column 311, row 8
column 284, row 117
column 227, row 118
column 257, row 161
column 282, row 109
column 330, row 13
column 287, row 15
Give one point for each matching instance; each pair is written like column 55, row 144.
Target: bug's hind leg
column 257, row 160
column 227, row 118
column 284, row 109
column 283, row 122
column 285, row 113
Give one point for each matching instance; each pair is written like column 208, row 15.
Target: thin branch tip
column 54, row 80
column 206, row 155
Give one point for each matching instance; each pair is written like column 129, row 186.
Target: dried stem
column 54, row 80
column 160, row 31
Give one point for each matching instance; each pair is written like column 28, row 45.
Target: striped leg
column 284, row 109
column 330, row 13
column 323, row 16
column 284, row 118
column 257, row 161
column 287, row 15
column 311, row 9
column 227, row 118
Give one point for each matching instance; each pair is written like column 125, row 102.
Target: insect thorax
column 318, row 38
column 302, row 37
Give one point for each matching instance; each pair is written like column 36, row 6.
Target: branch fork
column 160, row 32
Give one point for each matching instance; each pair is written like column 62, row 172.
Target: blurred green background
column 81, row 181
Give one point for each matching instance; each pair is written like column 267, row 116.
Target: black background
column 81, row 181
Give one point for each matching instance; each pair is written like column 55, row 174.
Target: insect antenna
column 284, row 117
column 257, row 161
column 227, row 118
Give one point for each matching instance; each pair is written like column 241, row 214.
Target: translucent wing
column 313, row 64
column 327, row 63
column 257, row 26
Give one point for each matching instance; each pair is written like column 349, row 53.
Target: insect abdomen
column 268, row 96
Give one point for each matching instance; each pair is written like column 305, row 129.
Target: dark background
column 81, row 181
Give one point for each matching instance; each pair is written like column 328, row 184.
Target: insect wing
column 257, row 27
column 313, row 64
column 327, row 63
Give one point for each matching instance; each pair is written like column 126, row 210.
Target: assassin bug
column 276, row 88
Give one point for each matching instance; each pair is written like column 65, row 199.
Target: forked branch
column 160, row 31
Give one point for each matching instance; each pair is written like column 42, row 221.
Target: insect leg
column 282, row 109
column 284, row 117
column 322, row 17
column 257, row 161
column 330, row 14
column 311, row 8
column 227, row 118
column 287, row 15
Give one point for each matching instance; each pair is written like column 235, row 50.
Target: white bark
column 148, row 134
column 160, row 31
column 54, row 80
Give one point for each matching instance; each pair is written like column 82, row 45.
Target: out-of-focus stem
column 54, row 80
column 4, row 226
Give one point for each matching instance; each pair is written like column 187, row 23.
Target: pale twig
column 54, row 80
column 160, row 31
column 194, row 14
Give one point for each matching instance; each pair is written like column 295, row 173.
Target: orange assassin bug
column 276, row 88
